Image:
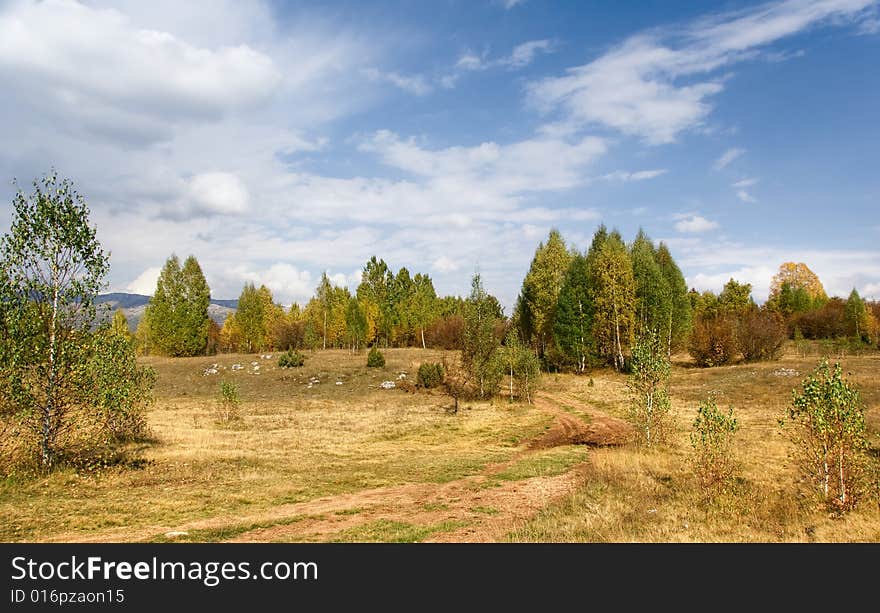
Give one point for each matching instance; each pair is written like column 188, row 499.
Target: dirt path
column 478, row 508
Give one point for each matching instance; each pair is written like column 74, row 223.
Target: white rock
column 237, row 367
column 175, row 533
column 339, row 383
column 387, row 385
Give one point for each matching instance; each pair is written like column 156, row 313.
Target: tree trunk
column 46, row 450
column 618, row 358
column 423, row 338
column 325, row 329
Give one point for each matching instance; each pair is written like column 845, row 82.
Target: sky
column 277, row 140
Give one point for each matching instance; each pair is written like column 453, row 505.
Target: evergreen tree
column 373, row 292
column 536, row 305
column 193, row 317
column 573, row 326
column 858, row 319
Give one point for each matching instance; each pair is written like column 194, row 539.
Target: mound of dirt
column 601, row 431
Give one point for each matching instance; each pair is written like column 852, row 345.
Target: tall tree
column 680, row 317
column 52, row 269
column 373, row 292
column 119, row 324
column 423, row 304
column 540, row 292
column 249, row 323
column 355, row 324
column 611, row 275
column 653, row 293
column 480, row 341
column 177, row 315
column 735, row 298
column 798, row 276
column 859, row 320
column 324, row 296
column 573, row 325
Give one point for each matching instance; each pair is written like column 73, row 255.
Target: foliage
column 712, row 447
column 735, row 300
column 713, row 341
column 797, row 277
column 860, row 321
column 760, row 335
column 829, row 431
column 479, row 340
column 573, row 327
column 520, row 365
column 649, row 389
column 355, row 324
column 228, row 402
column 446, row 332
column 653, row 295
column 680, row 315
column 59, row 381
column 291, row 359
column 536, row 307
column 613, row 285
column 119, row 324
column 177, row 315
column 375, row 359
column 430, row 375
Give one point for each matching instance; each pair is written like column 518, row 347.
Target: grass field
column 345, row 460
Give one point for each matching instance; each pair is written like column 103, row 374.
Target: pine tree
column 540, row 292
column 573, row 325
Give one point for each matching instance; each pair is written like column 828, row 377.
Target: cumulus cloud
column 694, row 224
column 145, row 283
column 658, row 84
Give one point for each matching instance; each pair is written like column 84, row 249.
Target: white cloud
column 641, row 175
column 509, row 4
column 655, row 85
column 414, row 84
column 694, row 224
column 213, row 193
column 745, row 196
column 744, row 183
column 522, row 55
column 727, row 157
column 445, row 264
column 145, row 283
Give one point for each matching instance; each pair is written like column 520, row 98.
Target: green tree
column 712, row 443
column 573, row 326
column 736, row 298
column 830, row 434
column 355, row 324
column 119, row 324
column 177, row 315
column 649, row 388
column 423, row 304
column 324, row 296
column 653, row 302
column 611, row 275
column 519, row 365
column 858, row 317
column 480, row 342
column 536, row 307
column 374, row 294
column 680, row 316
column 250, row 319
column 52, row 269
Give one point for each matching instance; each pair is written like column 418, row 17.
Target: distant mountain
column 133, row 306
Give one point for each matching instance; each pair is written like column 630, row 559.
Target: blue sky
column 275, row 140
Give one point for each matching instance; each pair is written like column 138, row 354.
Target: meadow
column 323, row 453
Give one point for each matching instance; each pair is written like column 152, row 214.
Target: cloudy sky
column 276, row 140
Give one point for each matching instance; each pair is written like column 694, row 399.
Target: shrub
column 375, row 359
column 829, row 432
column 712, row 342
column 228, row 402
column 649, row 389
column 760, row 335
column 292, row 359
column 711, row 440
column 445, row 332
column 430, row 375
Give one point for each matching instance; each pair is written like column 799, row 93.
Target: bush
column 713, row 341
column 711, row 440
column 291, row 359
column 445, row 333
column 228, row 402
column 829, row 431
column 375, row 359
column 649, row 389
column 760, row 335
column 430, row 375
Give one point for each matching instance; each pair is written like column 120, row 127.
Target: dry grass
column 349, row 444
